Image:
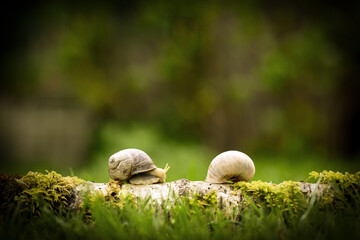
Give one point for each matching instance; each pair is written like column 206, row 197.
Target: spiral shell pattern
column 230, row 166
column 129, row 162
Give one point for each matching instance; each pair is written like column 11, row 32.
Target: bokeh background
column 183, row 81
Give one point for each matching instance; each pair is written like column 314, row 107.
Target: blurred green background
column 183, row 81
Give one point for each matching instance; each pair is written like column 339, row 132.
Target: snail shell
column 136, row 166
column 230, row 166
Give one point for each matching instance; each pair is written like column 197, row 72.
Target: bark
column 227, row 196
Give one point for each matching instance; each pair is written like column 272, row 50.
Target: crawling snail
column 231, row 166
column 136, row 166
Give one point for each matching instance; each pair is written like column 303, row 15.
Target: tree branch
column 227, row 196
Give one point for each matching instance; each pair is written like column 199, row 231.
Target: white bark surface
column 159, row 193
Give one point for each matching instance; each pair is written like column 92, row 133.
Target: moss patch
column 49, row 190
column 285, row 196
column 204, row 201
column 345, row 181
column 115, row 196
column 343, row 190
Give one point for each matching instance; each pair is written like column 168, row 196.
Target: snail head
column 161, row 173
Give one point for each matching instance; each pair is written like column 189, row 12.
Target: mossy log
column 227, row 195
column 57, row 192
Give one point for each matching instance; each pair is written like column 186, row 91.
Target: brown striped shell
column 125, row 164
column 230, row 166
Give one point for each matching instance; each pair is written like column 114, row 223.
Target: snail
column 136, row 166
column 231, row 166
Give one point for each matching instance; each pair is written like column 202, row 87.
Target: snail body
column 135, row 166
column 230, row 166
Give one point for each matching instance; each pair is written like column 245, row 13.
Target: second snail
column 230, row 166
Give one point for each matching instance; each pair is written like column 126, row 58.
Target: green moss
column 345, row 181
column 204, row 201
column 116, row 196
column 285, row 196
column 113, row 198
column 49, row 190
column 343, row 190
